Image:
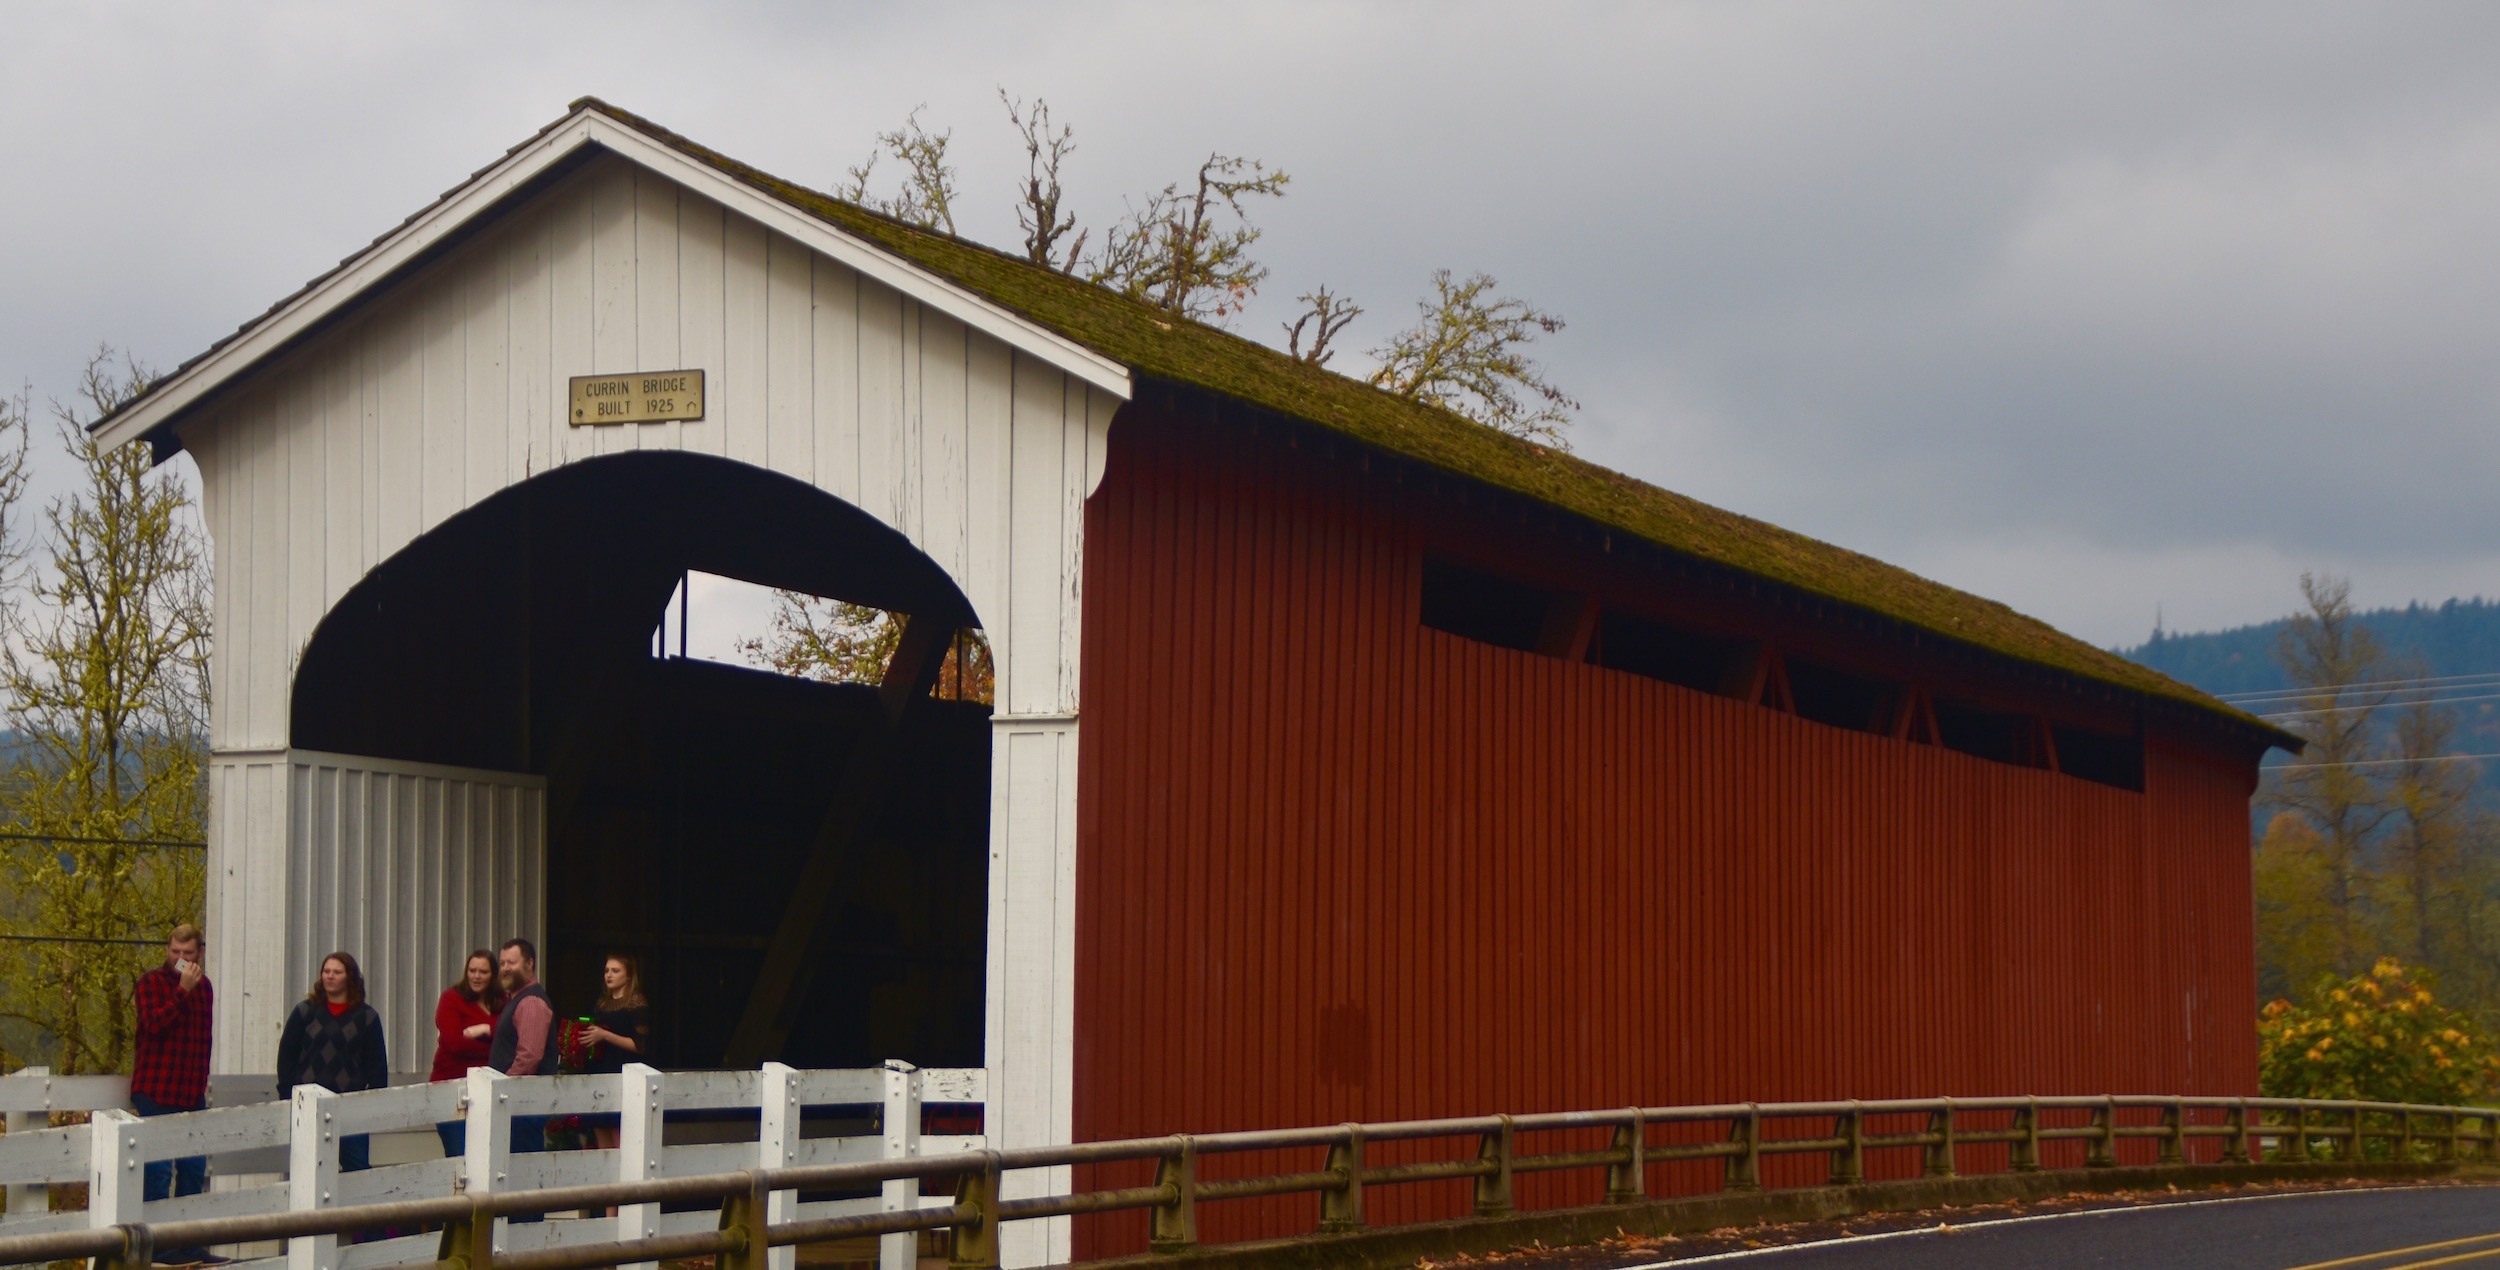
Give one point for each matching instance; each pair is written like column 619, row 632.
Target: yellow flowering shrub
column 2378, row 1037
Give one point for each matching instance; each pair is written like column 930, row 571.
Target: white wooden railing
column 281, row 1156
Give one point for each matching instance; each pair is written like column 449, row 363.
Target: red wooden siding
column 1334, row 865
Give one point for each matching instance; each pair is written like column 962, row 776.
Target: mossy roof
column 1157, row 345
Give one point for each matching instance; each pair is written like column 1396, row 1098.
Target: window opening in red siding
column 2107, row 757
column 1844, row 700
column 1473, row 604
column 2005, row 736
column 1706, row 663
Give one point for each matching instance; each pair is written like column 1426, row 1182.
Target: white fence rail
column 277, row 1157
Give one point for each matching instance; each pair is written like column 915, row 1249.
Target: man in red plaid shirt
column 169, row 1068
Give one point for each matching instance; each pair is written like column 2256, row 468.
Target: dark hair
column 355, row 979
column 529, row 951
column 491, row 999
column 631, row 997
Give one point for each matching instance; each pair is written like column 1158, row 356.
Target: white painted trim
column 367, row 268
column 401, row 767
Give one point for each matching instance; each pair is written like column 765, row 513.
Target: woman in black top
column 621, row 1024
column 334, row 1040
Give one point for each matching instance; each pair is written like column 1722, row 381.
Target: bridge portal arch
column 681, row 801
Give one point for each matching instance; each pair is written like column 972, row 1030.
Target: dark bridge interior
column 685, row 799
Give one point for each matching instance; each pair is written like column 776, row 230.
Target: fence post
column 976, row 1238
column 486, row 1169
column 2103, row 1152
column 35, row 1197
column 1493, row 1188
column 638, row 1122
column 2235, row 1147
column 138, row 1250
column 2447, row 1149
column 2026, row 1149
column 1175, row 1225
column 1341, row 1210
column 745, row 1212
column 116, row 1179
column 902, row 1141
column 2300, row 1132
column 312, row 1173
column 1744, row 1168
column 777, row 1147
column 2174, row 1145
column 1849, row 1162
column 1628, row 1181
column 1940, row 1151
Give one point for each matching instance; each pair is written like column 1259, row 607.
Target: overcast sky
column 2091, row 308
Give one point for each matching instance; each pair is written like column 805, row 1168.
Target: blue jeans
column 355, row 1153
column 455, row 1136
column 169, row 1179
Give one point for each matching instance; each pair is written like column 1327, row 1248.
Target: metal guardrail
column 2296, row 1127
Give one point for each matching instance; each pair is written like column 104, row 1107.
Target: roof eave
column 153, row 413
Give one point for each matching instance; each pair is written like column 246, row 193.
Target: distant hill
column 2460, row 637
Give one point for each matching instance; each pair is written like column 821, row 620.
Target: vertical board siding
column 367, row 830
column 1334, row 865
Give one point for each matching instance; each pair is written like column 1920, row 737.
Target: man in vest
column 524, row 1043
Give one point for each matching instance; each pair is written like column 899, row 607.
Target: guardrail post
column 2025, row 1152
column 1849, row 1162
column 638, row 1122
column 469, row 1241
column 2446, row 1150
column 2235, row 1146
column 1175, row 1225
column 901, row 1122
column 138, row 1250
column 312, row 1173
column 2103, row 1152
column 1940, row 1152
column 1744, row 1168
column 1493, row 1188
column 1627, row 1182
column 487, row 1168
column 777, row 1147
column 747, row 1213
column 1341, row 1209
column 976, row 1238
column 2300, row 1132
column 2174, row 1144
column 2404, row 1136
column 35, row 1197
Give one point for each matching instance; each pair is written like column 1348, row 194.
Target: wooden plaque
column 648, row 396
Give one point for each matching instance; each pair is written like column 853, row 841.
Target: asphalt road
column 2350, row 1230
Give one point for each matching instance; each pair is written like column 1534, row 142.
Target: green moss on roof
column 1155, row 344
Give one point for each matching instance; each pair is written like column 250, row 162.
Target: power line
column 2381, row 705
column 77, row 939
column 101, row 842
column 2256, row 693
column 2382, row 762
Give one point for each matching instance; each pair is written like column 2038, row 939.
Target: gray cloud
column 2085, row 307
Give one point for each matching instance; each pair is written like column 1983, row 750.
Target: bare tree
column 1468, row 354
column 2433, row 791
column 1039, row 214
column 2337, row 665
column 927, row 197
column 1324, row 315
column 1189, row 253
column 108, row 692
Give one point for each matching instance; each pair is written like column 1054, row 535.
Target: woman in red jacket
column 464, row 1028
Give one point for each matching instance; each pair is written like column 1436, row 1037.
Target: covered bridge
column 1348, row 760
